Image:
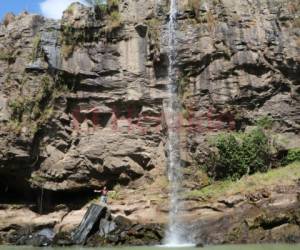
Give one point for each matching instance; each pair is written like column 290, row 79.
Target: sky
column 48, row 8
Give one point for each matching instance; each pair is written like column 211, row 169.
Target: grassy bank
column 281, row 176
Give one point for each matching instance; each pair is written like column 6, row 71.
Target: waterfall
column 41, row 201
column 175, row 234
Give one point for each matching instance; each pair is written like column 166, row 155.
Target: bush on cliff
column 292, row 156
column 239, row 154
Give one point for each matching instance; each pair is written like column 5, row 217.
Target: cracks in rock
column 196, row 68
column 142, row 160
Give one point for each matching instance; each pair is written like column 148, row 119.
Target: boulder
column 88, row 223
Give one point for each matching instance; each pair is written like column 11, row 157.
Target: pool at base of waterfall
column 223, row 247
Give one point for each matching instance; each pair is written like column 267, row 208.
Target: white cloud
column 55, row 8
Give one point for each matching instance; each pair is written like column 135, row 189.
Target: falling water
column 175, row 234
column 41, row 201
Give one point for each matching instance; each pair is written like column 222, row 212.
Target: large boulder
column 90, row 219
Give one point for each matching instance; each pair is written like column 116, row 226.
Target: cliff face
column 79, row 107
column 82, row 99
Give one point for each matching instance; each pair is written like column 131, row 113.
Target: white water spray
column 175, row 234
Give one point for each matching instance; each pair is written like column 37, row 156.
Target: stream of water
column 175, row 234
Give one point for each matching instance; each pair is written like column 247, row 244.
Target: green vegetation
column 292, row 156
column 113, row 21
column 107, row 11
column 34, row 111
column 154, row 37
column 239, row 154
column 115, row 194
column 183, row 83
column 71, row 9
column 154, row 29
column 265, row 122
column 208, row 17
column 21, row 105
column 6, row 56
column 105, row 5
column 36, row 47
column 283, row 176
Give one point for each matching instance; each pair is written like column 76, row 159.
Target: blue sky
column 18, row 6
column 48, row 8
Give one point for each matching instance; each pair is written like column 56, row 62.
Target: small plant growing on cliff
column 6, row 55
column 265, row 122
column 154, row 37
column 113, row 21
column 34, row 111
column 36, row 47
column 104, row 5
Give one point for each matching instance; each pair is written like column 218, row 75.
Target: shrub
column 265, row 122
column 239, row 154
column 292, row 156
column 256, row 151
column 104, row 5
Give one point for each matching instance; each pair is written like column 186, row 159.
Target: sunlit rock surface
column 81, row 99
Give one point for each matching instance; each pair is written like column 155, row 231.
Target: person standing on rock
column 104, row 193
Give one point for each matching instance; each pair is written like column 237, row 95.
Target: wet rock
column 25, row 236
column 91, row 218
column 106, row 227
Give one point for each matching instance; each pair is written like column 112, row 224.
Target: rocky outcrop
column 101, row 121
column 234, row 67
column 102, row 125
column 97, row 227
column 92, row 216
column 259, row 218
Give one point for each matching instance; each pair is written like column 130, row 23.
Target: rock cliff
column 82, row 98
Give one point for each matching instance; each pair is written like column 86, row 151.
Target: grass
column 265, row 122
column 280, row 176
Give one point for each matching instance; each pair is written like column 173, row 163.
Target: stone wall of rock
column 81, row 99
column 240, row 62
column 99, row 122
